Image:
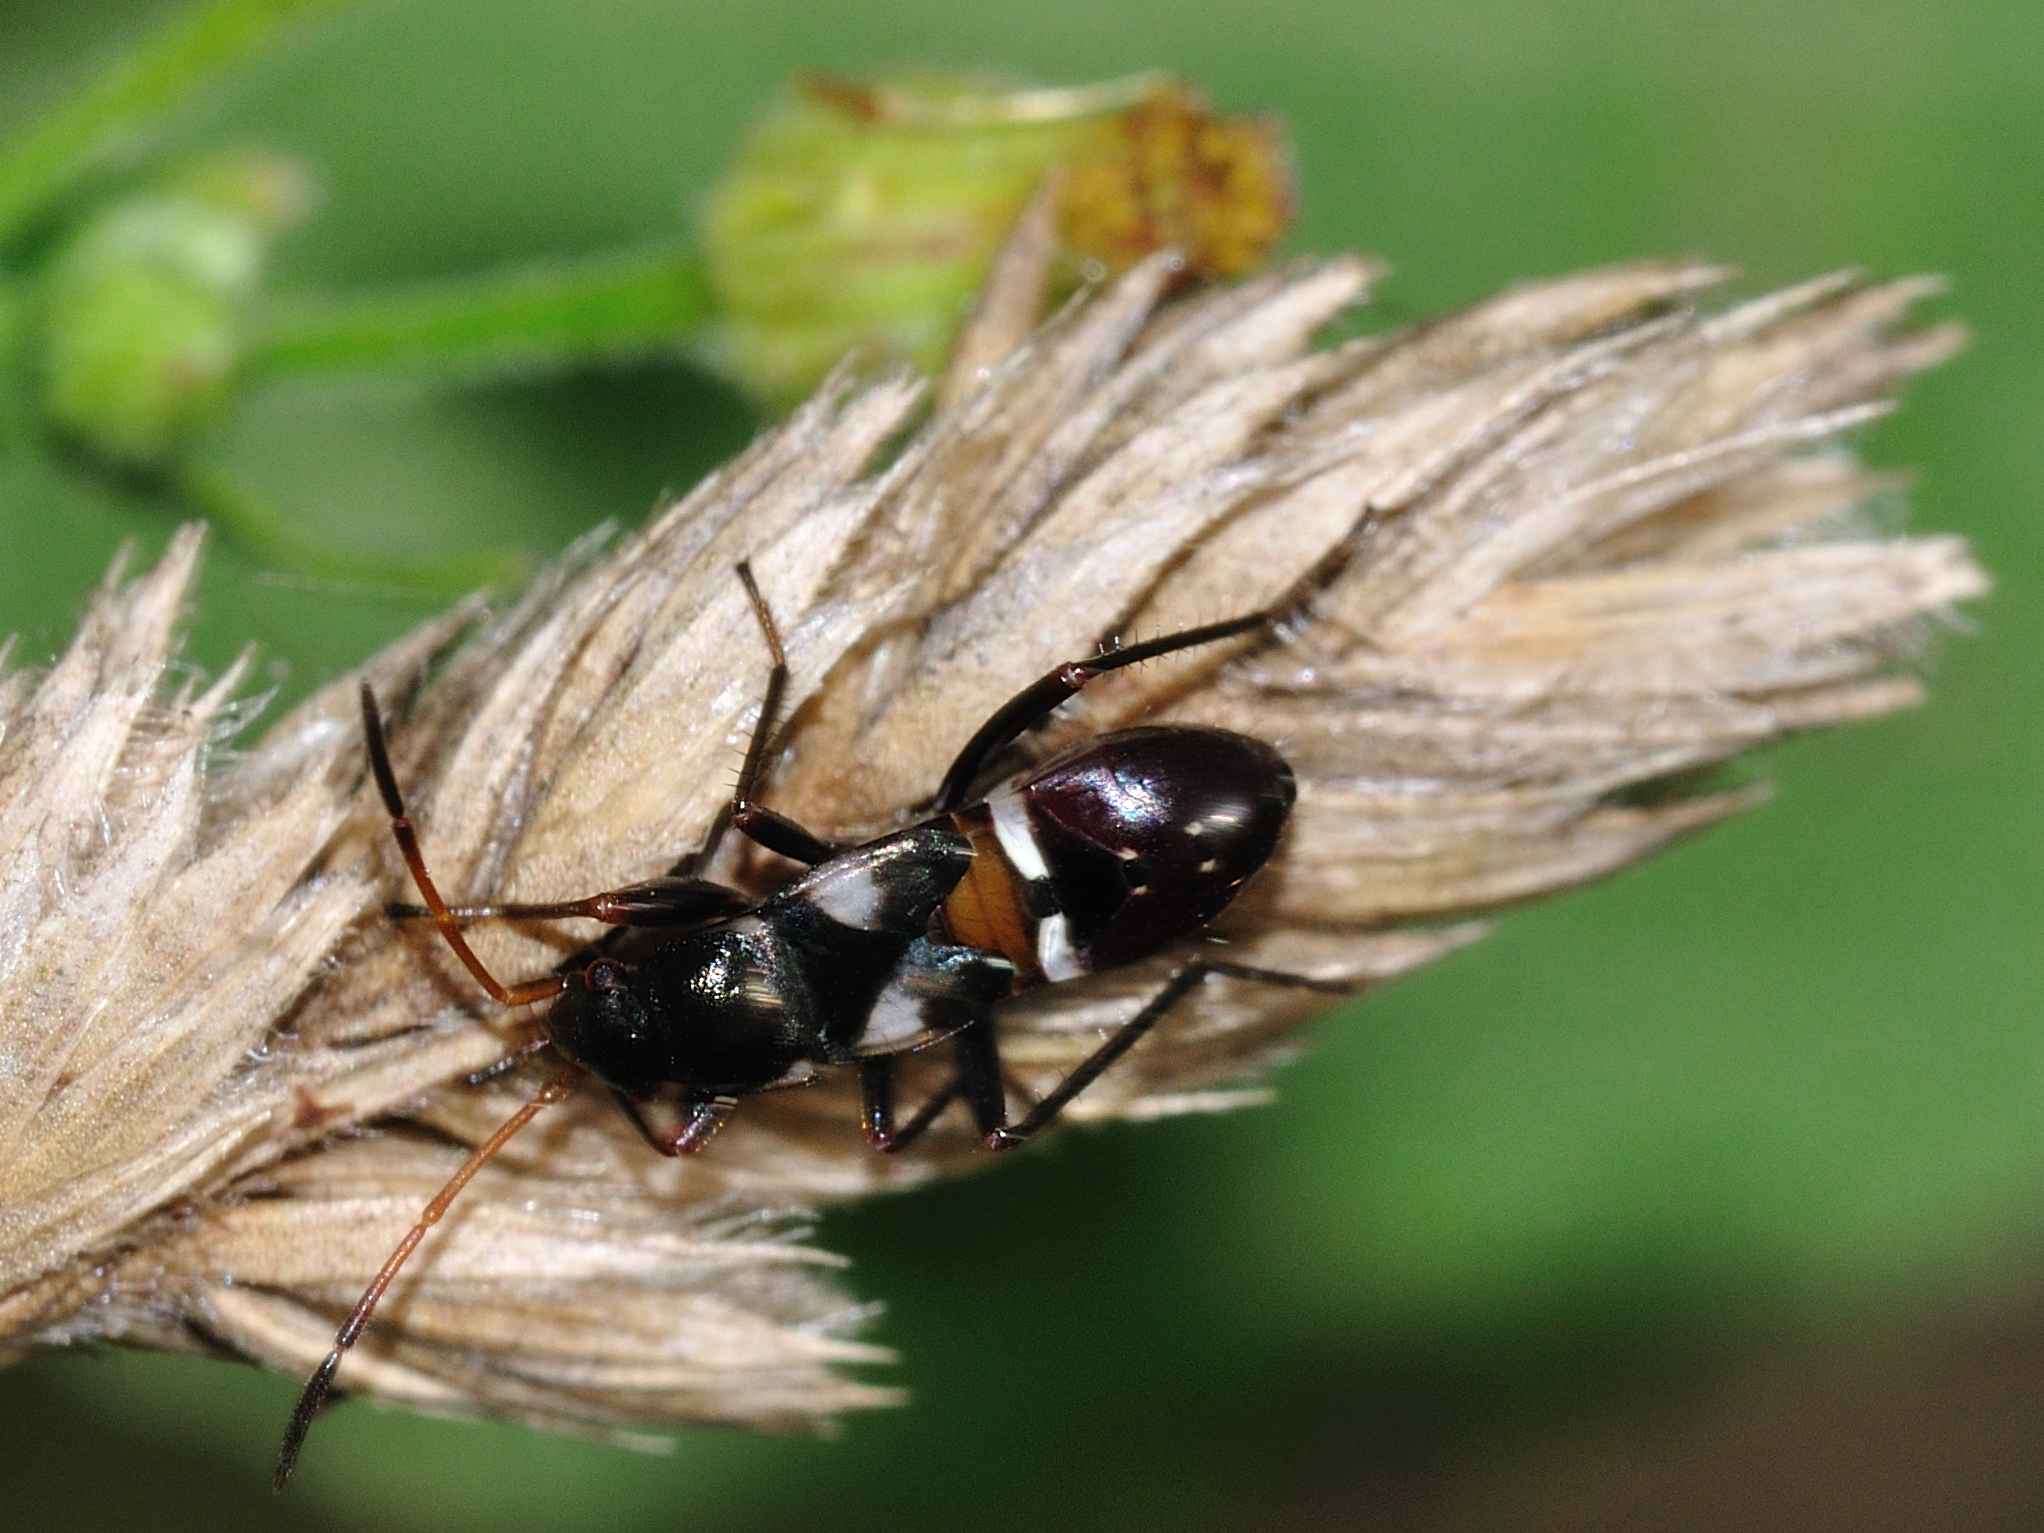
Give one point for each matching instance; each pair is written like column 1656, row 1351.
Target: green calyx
column 863, row 218
column 138, row 317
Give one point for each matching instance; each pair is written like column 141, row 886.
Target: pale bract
column 1574, row 543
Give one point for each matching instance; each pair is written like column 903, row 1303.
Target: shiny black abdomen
column 1147, row 834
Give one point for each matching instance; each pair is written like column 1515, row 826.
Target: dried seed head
column 1584, row 541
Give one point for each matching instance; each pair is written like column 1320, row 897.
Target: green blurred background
column 1706, row 1197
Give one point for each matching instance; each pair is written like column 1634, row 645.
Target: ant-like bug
column 1101, row 855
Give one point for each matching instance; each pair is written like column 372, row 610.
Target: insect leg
column 700, row 1120
column 656, row 902
column 877, row 1107
column 876, row 1103
column 1036, row 702
column 408, row 844
column 775, row 832
column 978, row 1078
column 316, row 1387
column 1039, row 700
column 979, row 1075
column 1125, row 1037
column 539, row 1043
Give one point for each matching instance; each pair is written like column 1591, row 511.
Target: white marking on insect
column 1018, row 842
column 1054, row 953
column 1221, row 820
column 897, row 1016
column 854, row 899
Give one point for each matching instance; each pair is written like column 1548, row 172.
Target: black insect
column 1102, row 855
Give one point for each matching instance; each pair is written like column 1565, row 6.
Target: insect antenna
column 316, row 1387
column 408, row 843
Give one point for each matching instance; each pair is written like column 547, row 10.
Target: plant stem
column 642, row 301
column 260, row 528
column 191, row 52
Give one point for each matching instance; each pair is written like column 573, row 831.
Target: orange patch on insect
column 985, row 909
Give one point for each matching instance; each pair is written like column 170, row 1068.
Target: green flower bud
column 140, row 311
column 865, row 216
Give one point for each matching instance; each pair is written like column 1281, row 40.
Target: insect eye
column 603, row 975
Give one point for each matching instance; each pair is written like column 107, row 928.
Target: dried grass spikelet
column 1612, row 540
